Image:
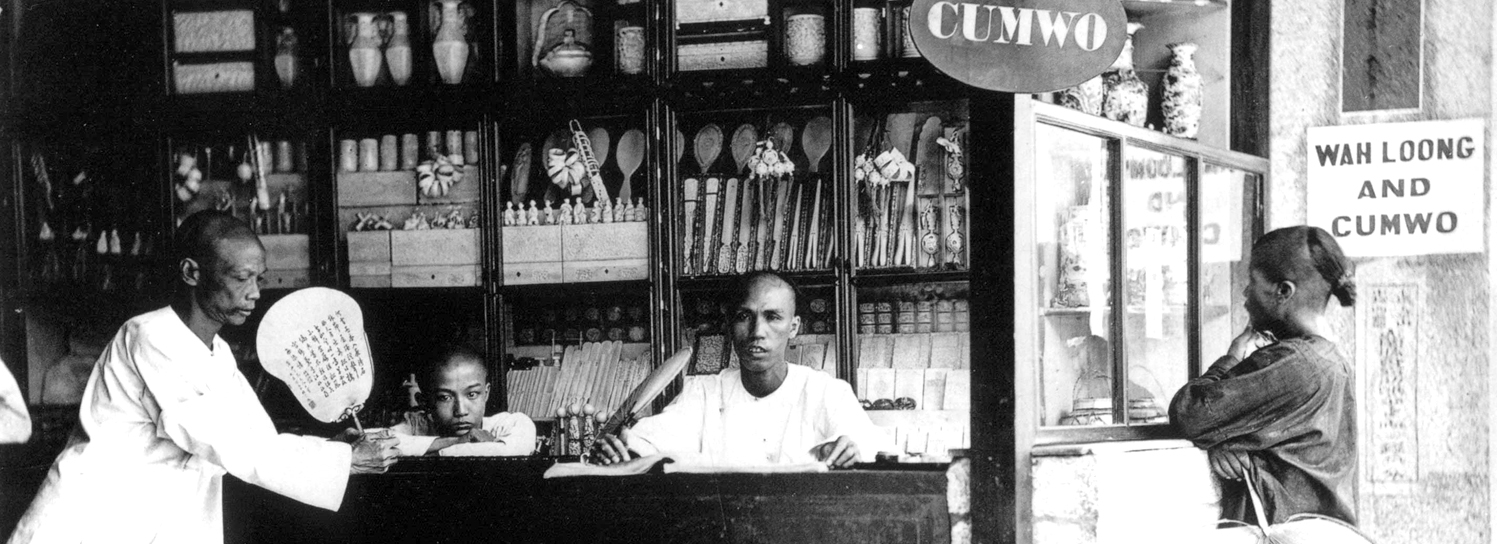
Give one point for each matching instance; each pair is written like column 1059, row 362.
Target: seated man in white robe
column 767, row 411
column 166, row 413
column 455, row 390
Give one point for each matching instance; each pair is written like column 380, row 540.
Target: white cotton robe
column 715, row 421
column 163, row 418
column 514, row 434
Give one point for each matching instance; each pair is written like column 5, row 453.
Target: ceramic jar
column 398, row 48
column 389, row 153
column 1126, row 97
column 364, row 57
column 284, row 159
column 286, row 67
column 450, row 46
column 907, row 47
column 865, row 33
column 805, row 39
column 1181, row 104
column 629, row 44
column 348, row 155
column 410, row 151
column 369, row 155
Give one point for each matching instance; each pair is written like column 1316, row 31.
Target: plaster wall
column 1447, row 311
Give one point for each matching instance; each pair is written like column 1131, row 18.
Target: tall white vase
column 364, row 57
column 398, row 48
column 450, row 46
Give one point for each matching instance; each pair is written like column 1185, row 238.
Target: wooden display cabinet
column 508, row 102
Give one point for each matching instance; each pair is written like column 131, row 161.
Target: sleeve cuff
column 1219, row 368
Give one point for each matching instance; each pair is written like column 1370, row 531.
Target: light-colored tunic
column 15, row 421
column 514, row 434
column 163, row 418
column 715, row 421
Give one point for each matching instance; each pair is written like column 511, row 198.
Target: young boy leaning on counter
column 455, row 391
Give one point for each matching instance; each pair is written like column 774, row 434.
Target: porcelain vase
column 364, row 57
column 1126, row 97
column 450, row 46
column 1181, row 104
column 398, row 48
column 1086, row 96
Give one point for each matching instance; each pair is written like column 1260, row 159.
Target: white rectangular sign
column 1399, row 189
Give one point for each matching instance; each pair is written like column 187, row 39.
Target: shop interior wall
column 1447, row 498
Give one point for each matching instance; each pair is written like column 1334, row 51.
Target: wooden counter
column 491, row 500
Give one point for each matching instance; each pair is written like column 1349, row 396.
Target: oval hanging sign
column 1020, row 46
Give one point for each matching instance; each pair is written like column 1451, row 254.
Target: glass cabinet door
column 1226, row 231
column 1157, row 277
column 1139, row 250
column 1074, row 176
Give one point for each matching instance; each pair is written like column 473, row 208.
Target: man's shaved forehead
column 199, row 235
column 748, row 282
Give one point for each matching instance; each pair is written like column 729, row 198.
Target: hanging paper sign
column 314, row 341
column 1020, row 46
column 1399, row 189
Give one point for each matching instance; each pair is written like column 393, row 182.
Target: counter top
column 469, row 500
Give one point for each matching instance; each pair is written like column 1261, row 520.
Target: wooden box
column 434, row 247
column 369, row 258
column 369, row 246
column 723, row 55
column 605, row 252
column 539, row 244
column 378, row 188
column 286, row 251
column 605, row 241
column 708, row 11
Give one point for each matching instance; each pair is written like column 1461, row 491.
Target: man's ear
column 795, row 326
column 190, row 272
column 1284, row 290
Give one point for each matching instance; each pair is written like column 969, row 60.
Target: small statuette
column 548, row 215
column 532, row 215
column 605, row 211
column 641, row 213
column 594, row 214
column 509, row 214
column 622, row 211
column 566, row 213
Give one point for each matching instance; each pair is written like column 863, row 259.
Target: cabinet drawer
column 434, row 276
column 723, row 55
column 288, row 279
column 532, row 273
column 707, row 11
column 609, row 270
